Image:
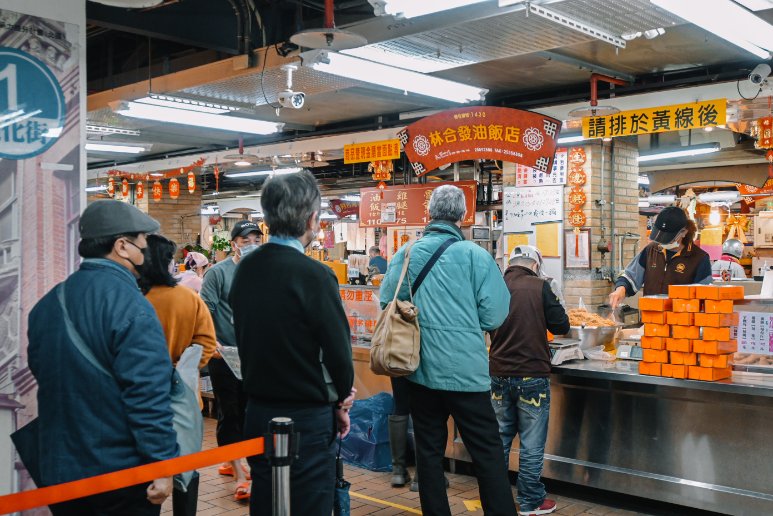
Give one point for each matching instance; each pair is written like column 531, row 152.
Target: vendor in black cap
column 670, row 259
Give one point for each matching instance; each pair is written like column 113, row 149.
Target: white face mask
column 671, row 246
column 247, row 249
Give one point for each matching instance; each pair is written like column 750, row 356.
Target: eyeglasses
column 140, row 249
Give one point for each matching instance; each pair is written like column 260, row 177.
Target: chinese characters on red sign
column 407, row 205
column 481, row 132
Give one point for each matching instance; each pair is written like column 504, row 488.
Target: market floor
column 370, row 494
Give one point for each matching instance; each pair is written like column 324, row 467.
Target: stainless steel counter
column 707, row 445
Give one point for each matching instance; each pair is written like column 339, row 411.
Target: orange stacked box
column 694, row 341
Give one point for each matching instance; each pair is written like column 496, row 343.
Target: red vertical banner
column 174, row 188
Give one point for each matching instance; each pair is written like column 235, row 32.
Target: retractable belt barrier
column 129, row 477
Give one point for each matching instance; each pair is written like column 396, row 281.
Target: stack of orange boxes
column 687, row 334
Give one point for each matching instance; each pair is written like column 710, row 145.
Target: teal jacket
column 463, row 295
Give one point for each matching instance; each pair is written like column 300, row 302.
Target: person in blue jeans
column 519, row 364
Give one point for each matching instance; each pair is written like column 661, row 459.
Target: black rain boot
column 398, row 443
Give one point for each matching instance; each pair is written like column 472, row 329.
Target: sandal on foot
column 228, row 471
column 242, row 491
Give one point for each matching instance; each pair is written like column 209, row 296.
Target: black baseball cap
column 244, row 228
column 668, row 224
column 106, row 218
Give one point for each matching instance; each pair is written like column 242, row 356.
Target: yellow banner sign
column 371, row 151
column 709, row 113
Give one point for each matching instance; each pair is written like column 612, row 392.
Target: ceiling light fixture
column 660, row 199
column 278, row 172
column 694, row 150
column 654, row 33
column 574, row 138
column 327, row 216
column 103, row 129
column 242, row 163
column 643, row 180
column 391, row 77
column 576, row 25
column 184, row 116
column 110, row 147
column 101, row 188
column 189, row 104
column 727, row 20
column 427, row 63
column 351, row 198
column 415, row 8
column 505, row 3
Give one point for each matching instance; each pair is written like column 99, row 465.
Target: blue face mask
column 247, row 249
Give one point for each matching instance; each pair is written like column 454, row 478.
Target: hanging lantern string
column 165, row 174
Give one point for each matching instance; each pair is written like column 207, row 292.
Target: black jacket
column 520, row 346
column 289, row 322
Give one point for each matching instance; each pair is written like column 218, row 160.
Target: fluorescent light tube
column 327, row 216
column 194, row 118
column 108, row 147
column 391, row 77
column 570, row 139
column 422, row 64
column 103, row 129
column 727, row 20
column 278, row 172
column 660, row 199
column 101, row 188
column 414, row 8
column 644, row 204
column 694, row 150
column 188, row 104
column 505, row 3
column 242, row 163
column 727, row 196
column 351, row 198
column 643, row 180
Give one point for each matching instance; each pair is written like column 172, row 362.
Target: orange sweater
column 185, row 320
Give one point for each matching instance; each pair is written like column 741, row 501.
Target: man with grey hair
column 294, row 344
column 460, row 294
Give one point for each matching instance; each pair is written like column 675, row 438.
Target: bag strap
column 75, row 337
column 404, row 273
column 435, row 257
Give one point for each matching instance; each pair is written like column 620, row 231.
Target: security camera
column 291, row 99
column 759, row 74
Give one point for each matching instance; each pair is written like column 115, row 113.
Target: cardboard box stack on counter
column 688, row 334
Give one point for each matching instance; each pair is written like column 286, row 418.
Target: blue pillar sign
column 32, row 107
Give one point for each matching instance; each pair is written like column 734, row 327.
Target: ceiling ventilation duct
column 130, row 4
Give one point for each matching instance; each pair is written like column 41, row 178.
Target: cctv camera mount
column 760, row 74
column 288, row 97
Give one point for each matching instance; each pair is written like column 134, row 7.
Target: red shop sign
column 408, row 205
column 344, row 208
column 481, row 132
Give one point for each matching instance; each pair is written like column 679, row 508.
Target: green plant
column 220, row 244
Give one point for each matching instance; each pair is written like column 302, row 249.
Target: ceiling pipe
column 594, row 79
column 329, row 10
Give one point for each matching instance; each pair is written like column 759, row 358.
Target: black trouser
column 401, row 392
column 129, row 501
column 184, row 504
column 312, row 476
column 477, row 424
column 231, row 402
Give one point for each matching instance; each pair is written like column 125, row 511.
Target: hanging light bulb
column 714, row 217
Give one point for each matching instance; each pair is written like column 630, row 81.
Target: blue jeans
column 522, row 406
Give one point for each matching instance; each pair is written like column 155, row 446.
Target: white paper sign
column 754, row 333
column 525, row 206
column 526, row 176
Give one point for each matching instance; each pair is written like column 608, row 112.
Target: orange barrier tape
column 128, row 477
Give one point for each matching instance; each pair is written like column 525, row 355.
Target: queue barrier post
column 283, row 444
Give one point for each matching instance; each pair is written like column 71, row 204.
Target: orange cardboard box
column 681, row 291
column 654, row 317
column 682, row 345
column 655, row 355
column 716, row 320
column 654, row 303
column 680, row 318
column 684, row 358
column 649, row 368
column 710, row 374
column 665, row 370
column 718, row 361
column 730, row 292
column 653, row 342
column 712, row 306
column 707, row 292
column 710, row 334
column 686, row 332
column 694, row 372
column 715, row 347
column 657, row 330
column 686, row 305
column 678, row 371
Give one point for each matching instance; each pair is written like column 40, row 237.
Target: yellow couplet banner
column 372, row 151
column 548, row 239
column 708, row 113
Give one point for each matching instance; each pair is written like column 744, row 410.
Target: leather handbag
column 396, row 342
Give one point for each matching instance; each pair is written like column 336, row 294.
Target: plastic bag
column 598, row 353
column 367, row 445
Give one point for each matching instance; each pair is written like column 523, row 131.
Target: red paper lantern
column 191, row 182
column 140, row 190
column 125, row 188
column 111, row 187
column 157, row 191
column 174, row 188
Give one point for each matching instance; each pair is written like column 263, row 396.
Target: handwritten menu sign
column 526, row 176
column 755, row 333
column 407, row 205
column 525, row 206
